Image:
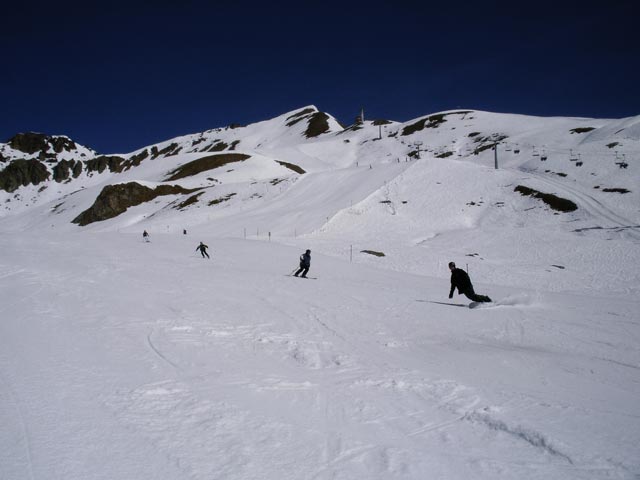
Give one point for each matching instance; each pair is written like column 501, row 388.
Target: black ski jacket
column 459, row 280
column 305, row 260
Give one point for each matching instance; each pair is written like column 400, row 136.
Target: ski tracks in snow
column 155, row 350
column 414, row 411
column 412, row 408
column 350, row 386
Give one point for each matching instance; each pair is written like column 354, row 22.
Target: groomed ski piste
column 121, row 359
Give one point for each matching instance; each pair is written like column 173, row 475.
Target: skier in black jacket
column 203, row 250
column 461, row 281
column 305, row 263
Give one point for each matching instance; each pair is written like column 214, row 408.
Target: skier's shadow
column 445, row 303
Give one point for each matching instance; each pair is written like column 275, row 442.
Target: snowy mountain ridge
column 307, row 140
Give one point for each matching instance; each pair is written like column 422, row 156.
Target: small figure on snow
column 461, row 281
column 203, row 250
column 145, row 236
column 305, row 263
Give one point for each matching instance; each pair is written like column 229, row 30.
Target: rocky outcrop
column 292, row 166
column 205, row 163
column 555, row 202
column 20, row 173
column 99, row 164
column 65, row 169
column 135, row 160
column 32, row 158
column 432, row 121
column 167, row 151
column 32, row 142
column 116, row 199
column 299, row 116
column 318, row 124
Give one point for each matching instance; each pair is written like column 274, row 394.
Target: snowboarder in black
column 305, row 263
column 145, row 236
column 461, row 281
column 203, row 250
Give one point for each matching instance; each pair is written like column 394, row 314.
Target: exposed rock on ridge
column 21, row 173
column 205, row 163
column 115, row 199
column 32, row 142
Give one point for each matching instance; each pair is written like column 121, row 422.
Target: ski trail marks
column 155, row 350
column 518, row 432
column 464, row 406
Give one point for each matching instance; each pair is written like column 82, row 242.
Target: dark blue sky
column 123, row 75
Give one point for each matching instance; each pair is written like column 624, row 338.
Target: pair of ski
column 306, row 278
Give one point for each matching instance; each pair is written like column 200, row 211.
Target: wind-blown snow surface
column 128, row 360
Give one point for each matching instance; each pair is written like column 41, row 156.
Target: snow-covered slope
column 121, row 359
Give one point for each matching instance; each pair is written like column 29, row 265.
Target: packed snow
column 121, row 359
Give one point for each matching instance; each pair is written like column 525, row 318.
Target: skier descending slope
column 203, row 250
column 461, row 281
column 305, row 263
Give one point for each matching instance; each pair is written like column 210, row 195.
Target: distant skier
column 203, row 250
column 461, row 281
column 305, row 263
column 145, row 236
